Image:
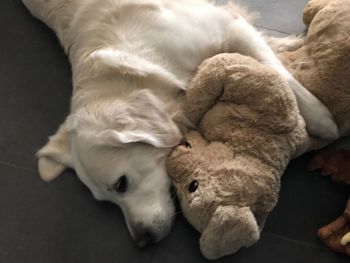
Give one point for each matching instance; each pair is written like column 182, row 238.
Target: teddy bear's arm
column 205, row 88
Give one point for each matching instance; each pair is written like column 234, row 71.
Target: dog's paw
column 319, row 121
column 335, row 163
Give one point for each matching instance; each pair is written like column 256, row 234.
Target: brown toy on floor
column 335, row 163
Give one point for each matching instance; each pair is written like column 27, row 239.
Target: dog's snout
column 152, row 221
column 145, row 237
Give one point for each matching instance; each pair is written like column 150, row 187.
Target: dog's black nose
column 145, row 238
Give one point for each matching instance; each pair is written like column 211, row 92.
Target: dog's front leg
column 243, row 38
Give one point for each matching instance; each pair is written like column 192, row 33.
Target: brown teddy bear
column 227, row 174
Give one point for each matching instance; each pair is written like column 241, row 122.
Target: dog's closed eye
column 121, row 185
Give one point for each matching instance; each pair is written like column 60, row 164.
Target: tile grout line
column 151, row 259
column 271, row 29
column 296, row 241
column 17, row 166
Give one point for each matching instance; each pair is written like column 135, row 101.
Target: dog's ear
column 146, row 121
column 54, row 157
column 229, row 229
column 141, row 118
column 110, row 59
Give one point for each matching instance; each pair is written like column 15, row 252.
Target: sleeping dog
column 132, row 61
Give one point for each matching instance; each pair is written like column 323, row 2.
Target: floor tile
column 270, row 32
column 35, row 84
column 182, row 246
column 43, row 223
column 307, row 201
column 284, row 16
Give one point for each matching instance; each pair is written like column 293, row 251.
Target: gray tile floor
column 61, row 222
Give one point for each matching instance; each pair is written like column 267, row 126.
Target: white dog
column 131, row 62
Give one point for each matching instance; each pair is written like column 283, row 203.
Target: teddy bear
column 227, row 172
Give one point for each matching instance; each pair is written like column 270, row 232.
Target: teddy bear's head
column 227, row 172
column 208, row 175
column 221, row 194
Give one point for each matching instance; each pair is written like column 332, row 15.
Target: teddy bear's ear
column 195, row 139
column 180, row 161
column 229, row 229
column 311, row 9
column 206, row 87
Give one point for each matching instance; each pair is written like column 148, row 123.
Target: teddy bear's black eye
column 193, row 186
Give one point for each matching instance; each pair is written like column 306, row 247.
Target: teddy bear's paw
column 335, row 163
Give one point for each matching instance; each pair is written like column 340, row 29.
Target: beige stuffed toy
column 227, row 173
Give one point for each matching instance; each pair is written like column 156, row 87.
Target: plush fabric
column 227, row 173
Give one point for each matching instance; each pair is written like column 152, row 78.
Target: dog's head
column 118, row 150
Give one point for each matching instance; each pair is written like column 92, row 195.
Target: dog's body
column 131, row 62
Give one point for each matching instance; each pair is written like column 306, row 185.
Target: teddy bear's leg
column 241, row 37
